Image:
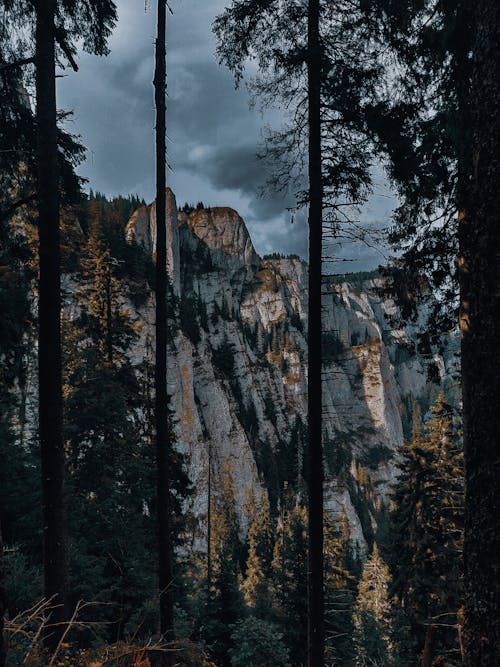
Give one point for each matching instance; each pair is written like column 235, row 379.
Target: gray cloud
column 213, row 135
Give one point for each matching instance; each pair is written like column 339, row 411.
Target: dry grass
column 25, row 632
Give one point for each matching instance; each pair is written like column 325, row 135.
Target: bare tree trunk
column 3, row 604
column 55, row 538
column 109, row 317
column 479, row 264
column 426, row 657
column 209, row 522
column 460, row 630
column 163, row 443
column 315, row 450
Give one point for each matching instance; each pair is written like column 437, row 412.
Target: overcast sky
column 213, row 136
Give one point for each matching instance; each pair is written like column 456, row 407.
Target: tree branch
column 65, row 48
column 5, row 215
column 17, row 63
column 60, row 39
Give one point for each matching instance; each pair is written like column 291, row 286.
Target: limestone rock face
column 225, row 233
column 238, row 369
column 141, row 229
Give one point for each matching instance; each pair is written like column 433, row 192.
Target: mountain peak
column 222, row 228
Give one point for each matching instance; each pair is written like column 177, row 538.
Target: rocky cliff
column 238, row 368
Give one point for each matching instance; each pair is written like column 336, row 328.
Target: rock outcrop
column 141, row 229
column 238, row 368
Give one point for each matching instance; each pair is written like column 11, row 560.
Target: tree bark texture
column 479, row 265
column 209, row 522
column 315, row 449
column 163, row 444
column 3, row 604
column 55, row 537
column 426, row 657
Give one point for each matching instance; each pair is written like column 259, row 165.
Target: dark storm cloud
column 237, row 168
column 228, row 167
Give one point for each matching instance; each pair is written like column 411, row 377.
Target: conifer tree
column 163, row 436
column 312, row 55
column 225, row 600
column 440, row 127
column 289, row 581
column 372, row 613
column 427, row 526
column 257, row 643
column 340, row 582
column 3, row 606
column 50, row 413
column 109, row 459
column 56, row 26
column 256, row 584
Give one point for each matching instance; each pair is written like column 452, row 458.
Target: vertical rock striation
column 238, row 368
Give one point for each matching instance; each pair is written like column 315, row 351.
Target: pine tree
column 55, row 24
column 163, row 436
column 427, row 527
column 109, row 459
column 440, row 127
column 256, row 584
column 225, row 599
column 340, row 582
column 289, row 581
column 372, row 613
column 257, row 643
column 50, row 415
column 315, row 54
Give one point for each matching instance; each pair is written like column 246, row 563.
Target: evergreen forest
column 215, row 458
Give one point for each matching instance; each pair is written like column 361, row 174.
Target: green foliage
column 374, row 456
column 340, row 584
column 280, row 255
column 110, row 462
column 290, row 456
column 131, row 261
column 289, row 569
column 421, row 126
column 23, row 580
column 225, row 601
column 257, row 643
column 109, row 452
column 189, row 312
column 246, row 31
column 427, row 526
column 257, row 581
column 20, row 510
column 372, row 613
column 332, row 346
column 356, row 278
column 338, row 456
column 223, row 358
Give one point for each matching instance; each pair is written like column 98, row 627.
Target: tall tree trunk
column 109, row 317
column 55, row 538
column 3, row 605
column 315, row 450
column 426, row 657
column 479, row 264
column 163, row 443
column 209, row 522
